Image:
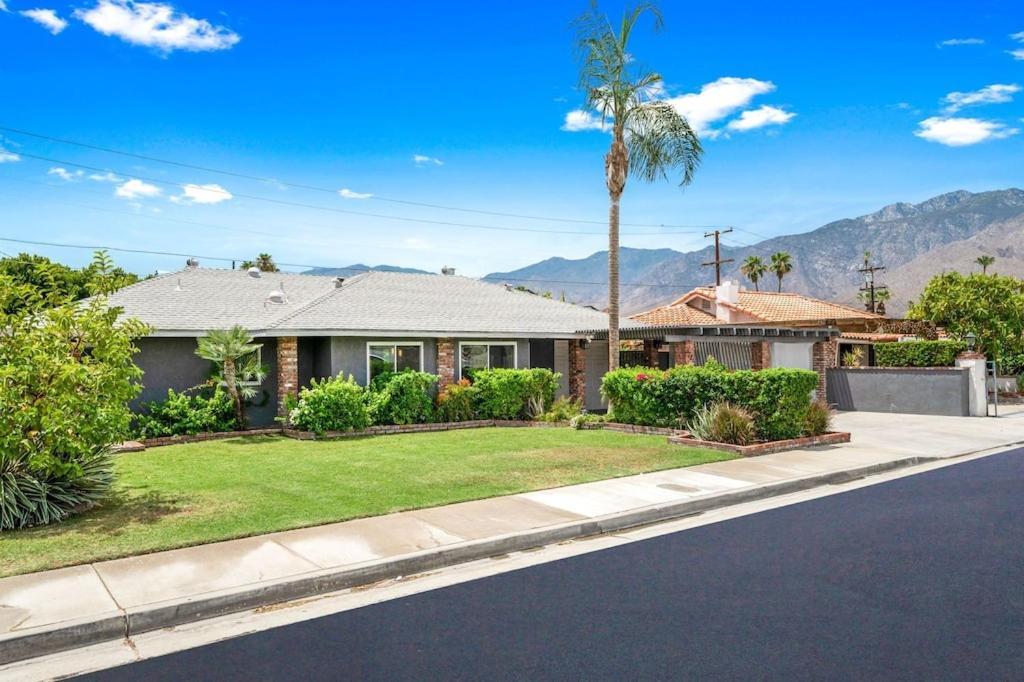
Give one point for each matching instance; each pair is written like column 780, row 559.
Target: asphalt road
column 917, row 578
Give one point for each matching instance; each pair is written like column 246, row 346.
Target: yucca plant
column 723, row 423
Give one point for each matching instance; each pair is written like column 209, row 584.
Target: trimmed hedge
column 778, row 398
column 402, row 398
column 335, row 404
column 514, row 393
column 918, row 353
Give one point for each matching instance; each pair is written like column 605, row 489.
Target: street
column 917, row 578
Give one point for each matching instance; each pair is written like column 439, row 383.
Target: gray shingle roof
column 196, row 300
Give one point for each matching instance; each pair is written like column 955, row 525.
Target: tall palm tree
column 781, row 265
column 234, row 353
column 649, row 137
column 264, row 263
column 984, row 262
column 754, row 269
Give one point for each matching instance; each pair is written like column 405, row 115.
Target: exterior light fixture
column 972, row 340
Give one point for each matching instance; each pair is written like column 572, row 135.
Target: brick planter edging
column 206, row 435
column 639, row 429
column 831, row 438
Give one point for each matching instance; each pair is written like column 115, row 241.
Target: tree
column 781, row 265
column 754, row 269
column 881, row 296
column 984, row 262
column 989, row 306
column 66, row 376
column 234, row 353
column 58, row 282
column 649, row 137
column 264, row 263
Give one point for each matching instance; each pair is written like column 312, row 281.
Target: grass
column 191, row 494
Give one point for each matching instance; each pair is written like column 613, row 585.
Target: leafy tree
column 264, row 263
column 649, row 137
column 234, row 353
column 984, row 262
column 58, row 282
column 989, row 306
column 754, row 269
column 781, row 265
column 66, row 376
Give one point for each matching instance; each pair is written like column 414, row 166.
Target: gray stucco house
column 317, row 326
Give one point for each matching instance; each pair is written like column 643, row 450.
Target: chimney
column 726, row 292
column 338, row 281
column 192, row 263
column 448, row 270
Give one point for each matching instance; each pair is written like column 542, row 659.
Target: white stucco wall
column 793, row 355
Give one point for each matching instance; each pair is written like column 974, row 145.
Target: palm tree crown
column 984, row 262
column 781, row 265
column 754, row 269
column 649, row 137
column 234, row 353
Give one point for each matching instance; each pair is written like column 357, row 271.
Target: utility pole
column 718, row 262
column 869, row 286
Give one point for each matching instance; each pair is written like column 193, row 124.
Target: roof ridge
column 320, row 299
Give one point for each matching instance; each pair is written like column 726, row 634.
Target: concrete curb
column 30, row 643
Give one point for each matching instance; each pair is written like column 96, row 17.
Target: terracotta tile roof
column 770, row 306
column 676, row 314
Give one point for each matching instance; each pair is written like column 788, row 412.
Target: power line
column 306, row 265
column 316, row 188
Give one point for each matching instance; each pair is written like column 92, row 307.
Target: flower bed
column 768, row 447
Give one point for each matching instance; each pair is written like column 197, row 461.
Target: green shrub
column 777, row 398
column 918, row 353
column 514, row 393
column 562, row 410
column 582, row 420
column 402, row 398
column 723, row 423
column 331, row 405
column 182, row 413
column 456, row 402
column 818, row 419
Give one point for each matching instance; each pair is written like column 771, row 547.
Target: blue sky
column 809, row 112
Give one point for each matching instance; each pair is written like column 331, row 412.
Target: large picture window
column 479, row 355
column 392, row 357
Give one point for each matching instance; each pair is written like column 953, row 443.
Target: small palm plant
column 234, row 354
column 754, row 269
column 781, row 265
column 650, row 139
column 984, row 262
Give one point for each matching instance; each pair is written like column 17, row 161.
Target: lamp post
column 972, row 341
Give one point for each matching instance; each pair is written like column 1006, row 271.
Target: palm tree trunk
column 231, row 379
column 780, row 283
column 613, row 283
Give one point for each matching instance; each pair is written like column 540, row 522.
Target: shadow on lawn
column 115, row 514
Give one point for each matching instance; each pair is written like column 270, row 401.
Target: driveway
column 916, row 578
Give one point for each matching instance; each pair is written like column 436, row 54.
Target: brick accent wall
column 824, row 358
column 683, row 353
column 760, row 355
column 446, row 362
column 650, row 353
column 287, row 371
column 577, row 370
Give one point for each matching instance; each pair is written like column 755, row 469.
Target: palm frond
column 660, row 140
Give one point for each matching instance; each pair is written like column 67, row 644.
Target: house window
column 485, row 356
column 392, row 357
column 249, row 379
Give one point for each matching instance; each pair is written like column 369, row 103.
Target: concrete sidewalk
column 54, row 610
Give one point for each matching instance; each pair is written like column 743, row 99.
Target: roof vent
column 448, row 270
column 192, row 263
column 178, row 286
column 253, row 271
column 338, row 281
column 276, row 296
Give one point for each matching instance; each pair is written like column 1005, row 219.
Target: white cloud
column 578, row 120
column 961, row 132
column 717, row 100
column 3, row 6
column 990, row 94
column 956, row 42
column 157, row 25
column 135, row 189
column 8, row 156
column 1019, row 53
column 47, row 18
column 346, row 193
column 104, row 177
column 761, row 117
column 202, row 194
column 65, row 174
column 421, row 160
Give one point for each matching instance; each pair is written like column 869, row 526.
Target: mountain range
column 913, row 241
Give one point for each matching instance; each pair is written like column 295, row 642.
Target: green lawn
column 202, row 492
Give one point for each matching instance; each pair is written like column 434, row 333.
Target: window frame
column 394, row 345
column 488, row 344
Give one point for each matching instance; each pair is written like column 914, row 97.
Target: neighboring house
column 321, row 326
